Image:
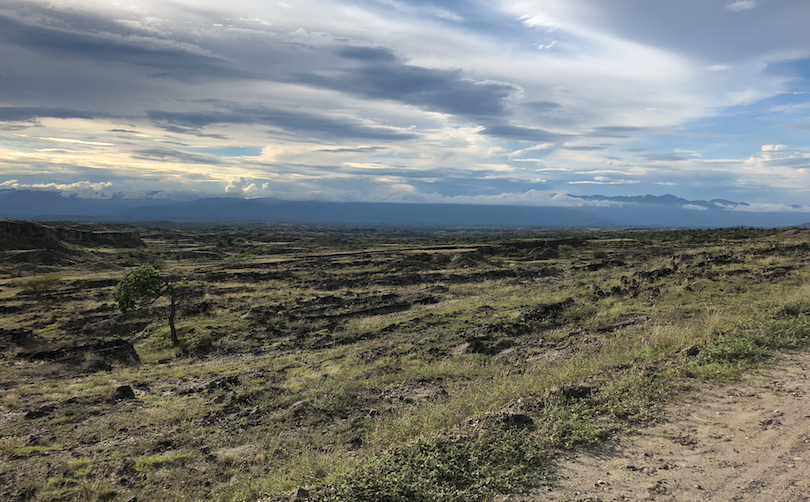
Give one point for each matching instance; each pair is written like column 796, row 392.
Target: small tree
column 141, row 287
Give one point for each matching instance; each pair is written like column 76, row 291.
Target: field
column 366, row 364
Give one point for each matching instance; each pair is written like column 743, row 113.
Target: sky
column 496, row 102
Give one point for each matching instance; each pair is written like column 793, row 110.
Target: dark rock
column 40, row 412
column 579, row 391
column 484, row 345
column 691, row 351
column 106, row 496
column 547, row 311
column 299, row 494
column 123, row 393
column 20, row 337
column 512, row 421
column 117, row 350
column 96, row 365
column 223, row 383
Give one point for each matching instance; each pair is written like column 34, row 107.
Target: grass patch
column 453, row 467
column 158, row 460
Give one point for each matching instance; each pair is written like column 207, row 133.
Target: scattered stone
column 510, row 421
column 21, row 337
column 117, row 350
column 299, row 494
column 123, row 393
column 578, row 391
column 659, row 488
column 40, row 412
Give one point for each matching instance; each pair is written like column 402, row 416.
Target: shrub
column 565, row 250
column 38, row 285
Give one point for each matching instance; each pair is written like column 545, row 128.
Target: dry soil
column 748, row 441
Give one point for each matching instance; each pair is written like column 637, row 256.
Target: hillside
column 363, row 364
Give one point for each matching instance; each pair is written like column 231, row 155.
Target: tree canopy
column 139, row 288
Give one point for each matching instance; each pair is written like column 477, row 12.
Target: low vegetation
column 369, row 365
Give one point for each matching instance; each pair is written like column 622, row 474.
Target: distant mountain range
column 639, row 211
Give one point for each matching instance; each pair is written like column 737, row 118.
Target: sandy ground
column 746, row 441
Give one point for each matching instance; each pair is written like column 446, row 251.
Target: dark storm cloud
column 95, row 38
column 378, row 74
column 522, row 133
column 28, row 113
column 291, row 122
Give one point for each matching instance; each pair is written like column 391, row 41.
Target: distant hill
column 636, row 211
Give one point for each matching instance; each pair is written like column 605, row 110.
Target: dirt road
column 749, row 441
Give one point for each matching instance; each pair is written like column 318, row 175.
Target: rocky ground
column 354, row 364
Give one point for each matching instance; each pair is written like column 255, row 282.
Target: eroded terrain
column 325, row 360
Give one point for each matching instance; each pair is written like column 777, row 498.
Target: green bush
column 38, row 285
column 565, row 250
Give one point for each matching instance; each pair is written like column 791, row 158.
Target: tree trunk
column 172, row 312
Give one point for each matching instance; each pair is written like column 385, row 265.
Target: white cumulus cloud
column 741, row 5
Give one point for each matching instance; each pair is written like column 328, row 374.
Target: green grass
column 385, row 407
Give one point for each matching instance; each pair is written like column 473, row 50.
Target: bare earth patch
column 747, row 441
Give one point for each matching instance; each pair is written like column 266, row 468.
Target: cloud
column 62, row 187
column 604, row 180
column 360, row 149
column 381, row 75
column 521, row 133
column 664, row 157
column 30, row 113
column 289, row 122
column 172, row 155
column 241, row 186
column 104, row 41
column 769, row 208
column 614, row 131
column 151, row 93
column 694, row 207
column 741, row 5
column 584, row 148
column 774, row 148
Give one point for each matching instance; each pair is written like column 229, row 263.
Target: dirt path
column 749, row 441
